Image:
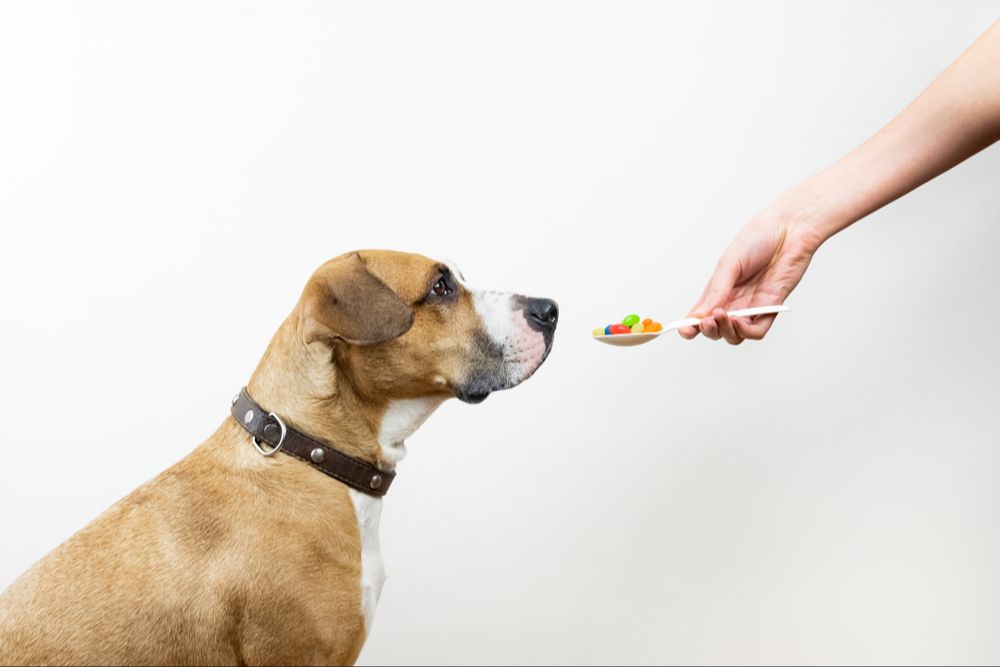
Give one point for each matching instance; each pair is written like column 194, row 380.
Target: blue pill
column 607, row 330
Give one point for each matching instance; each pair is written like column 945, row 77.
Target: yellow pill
column 599, row 331
column 637, row 327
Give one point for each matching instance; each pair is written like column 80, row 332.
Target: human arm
column 956, row 117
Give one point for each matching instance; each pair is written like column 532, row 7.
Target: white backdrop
column 828, row 495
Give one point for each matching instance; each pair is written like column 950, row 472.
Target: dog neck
column 301, row 384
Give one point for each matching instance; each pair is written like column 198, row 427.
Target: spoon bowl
column 631, row 339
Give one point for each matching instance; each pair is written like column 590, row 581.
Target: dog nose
column 543, row 312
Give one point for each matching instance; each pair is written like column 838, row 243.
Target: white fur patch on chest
column 368, row 511
column 401, row 419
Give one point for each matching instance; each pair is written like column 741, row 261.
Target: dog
column 261, row 546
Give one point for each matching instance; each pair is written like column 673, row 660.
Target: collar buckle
column 281, row 440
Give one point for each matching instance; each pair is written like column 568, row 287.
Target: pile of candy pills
column 630, row 324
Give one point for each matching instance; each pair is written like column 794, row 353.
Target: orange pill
column 653, row 327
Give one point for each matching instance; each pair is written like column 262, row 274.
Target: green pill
column 631, row 320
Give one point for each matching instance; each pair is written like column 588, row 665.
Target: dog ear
column 344, row 301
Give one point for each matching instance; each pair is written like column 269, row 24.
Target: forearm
column 956, row 117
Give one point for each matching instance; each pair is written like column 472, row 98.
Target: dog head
column 400, row 326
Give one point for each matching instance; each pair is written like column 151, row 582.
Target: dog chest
column 368, row 511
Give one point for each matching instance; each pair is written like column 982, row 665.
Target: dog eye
column 441, row 288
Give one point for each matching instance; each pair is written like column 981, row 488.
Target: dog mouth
column 472, row 395
column 514, row 341
column 505, row 370
column 478, row 388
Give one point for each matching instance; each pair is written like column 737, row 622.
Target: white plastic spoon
column 629, row 339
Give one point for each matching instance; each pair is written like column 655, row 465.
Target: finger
column 756, row 329
column 726, row 327
column 688, row 332
column 710, row 328
column 719, row 287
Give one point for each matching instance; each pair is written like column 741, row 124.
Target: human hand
column 957, row 116
column 761, row 267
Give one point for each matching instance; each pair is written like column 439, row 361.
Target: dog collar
column 270, row 435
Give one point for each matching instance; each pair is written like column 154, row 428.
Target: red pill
column 619, row 329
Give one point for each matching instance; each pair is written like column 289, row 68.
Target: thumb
column 719, row 287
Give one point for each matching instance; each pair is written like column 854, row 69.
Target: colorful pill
column 637, row 327
column 618, row 329
column 598, row 331
column 630, row 320
column 654, row 327
column 646, row 322
column 607, row 330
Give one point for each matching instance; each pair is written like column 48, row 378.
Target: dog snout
column 543, row 314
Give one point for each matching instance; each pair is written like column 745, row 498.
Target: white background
column 171, row 173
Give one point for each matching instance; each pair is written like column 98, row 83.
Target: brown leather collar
column 269, row 434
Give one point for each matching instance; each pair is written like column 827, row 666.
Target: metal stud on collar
column 281, row 440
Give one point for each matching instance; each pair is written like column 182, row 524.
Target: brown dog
column 231, row 557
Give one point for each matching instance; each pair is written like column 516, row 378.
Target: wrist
column 800, row 219
column 848, row 190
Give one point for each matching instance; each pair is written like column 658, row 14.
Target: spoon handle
column 742, row 312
